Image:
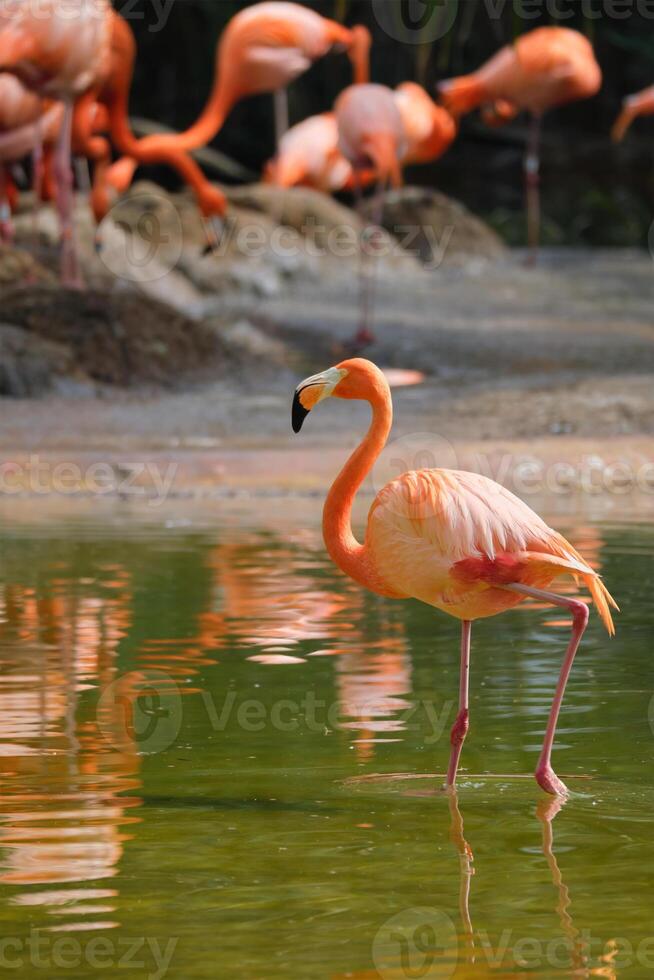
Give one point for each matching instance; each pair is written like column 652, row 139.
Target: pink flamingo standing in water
column 545, row 68
column 59, row 57
column 454, row 540
column 371, row 136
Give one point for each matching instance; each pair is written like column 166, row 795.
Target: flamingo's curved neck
column 211, row 119
column 343, row 547
column 198, row 135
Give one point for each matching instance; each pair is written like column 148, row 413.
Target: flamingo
column 547, row 67
column 58, row 57
column 457, row 541
column 640, row 104
column 309, row 153
column 263, row 49
column 371, row 136
column 26, row 121
column 105, row 108
column 428, row 127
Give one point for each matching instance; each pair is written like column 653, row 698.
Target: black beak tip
column 298, row 413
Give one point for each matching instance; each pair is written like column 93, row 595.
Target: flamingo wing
column 455, row 540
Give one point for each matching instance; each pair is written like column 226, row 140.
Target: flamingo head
column 355, row 378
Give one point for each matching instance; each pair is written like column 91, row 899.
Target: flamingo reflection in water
column 70, row 761
column 61, row 815
column 270, row 601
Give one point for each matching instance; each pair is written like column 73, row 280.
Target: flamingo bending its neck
column 640, row 104
column 263, row 49
column 457, row 541
column 309, row 152
column 545, row 68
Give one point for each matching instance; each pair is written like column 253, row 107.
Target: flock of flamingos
column 66, row 72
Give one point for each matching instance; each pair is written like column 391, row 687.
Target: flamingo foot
column 362, row 339
column 6, row 226
column 215, row 228
column 550, row 782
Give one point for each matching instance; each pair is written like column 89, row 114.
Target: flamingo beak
column 311, row 391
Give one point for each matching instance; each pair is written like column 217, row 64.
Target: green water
column 170, row 806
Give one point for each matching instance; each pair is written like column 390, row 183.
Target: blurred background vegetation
column 593, row 193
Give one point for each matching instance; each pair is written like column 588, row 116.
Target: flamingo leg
column 65, row 201
column 532, row 188
column 37, row 178
column 460, row 727
column 281, row 115
column 6, row 231
column 545, row 775
column 368, row 265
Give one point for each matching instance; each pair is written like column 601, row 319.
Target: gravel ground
column 508, row 352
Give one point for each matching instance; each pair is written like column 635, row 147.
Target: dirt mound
column 117, row 339
column 30, row 365
column 440, row 230
column 17, row 265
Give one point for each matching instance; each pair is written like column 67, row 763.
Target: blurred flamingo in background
column 546, row 67
column 59, row 57
column 428, row 127
column 26, row 122
column 105, row 109
column 309, row 153
column 454, row 540
column 263, row 49
column 640, row 104
column 371, row 136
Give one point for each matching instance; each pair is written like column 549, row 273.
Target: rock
column 439, row 230
column 244, row 337
column 17, row 265
column 118, row 338
column 330, row 231
column 30, row 365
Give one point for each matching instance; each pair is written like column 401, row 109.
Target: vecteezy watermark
column 583, row 952
column 650, row 713
column 141, row 238
column 141, row 711
column 423, row 942
column 42, row 950
column 145, row 480
column 415, row 451
column 426, row 21
column 417, row 942
column 523, row 473
column 153, row 12
column 341, row 241
column 415, row 21
column 316, row 715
